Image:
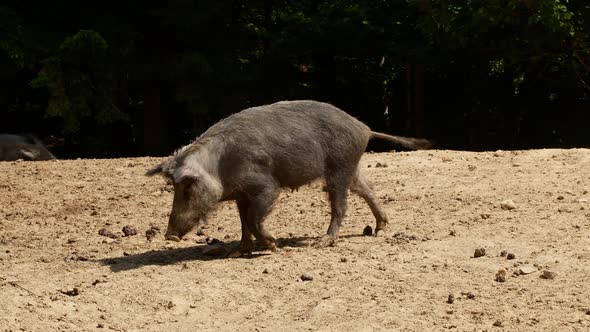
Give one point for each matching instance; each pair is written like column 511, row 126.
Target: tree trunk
column 419, row 100
column 153, row 123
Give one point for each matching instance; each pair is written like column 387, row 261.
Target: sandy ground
column 58, row 273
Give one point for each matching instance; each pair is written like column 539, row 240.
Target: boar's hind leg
column 337, row 187
column 245, row 247
column 362, row 187
column 259, row 206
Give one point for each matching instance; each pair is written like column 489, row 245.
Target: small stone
column 368, row 231
column 129, row 231
column 508, row 205
column 549, row 274
column 485, row 216
column 265, row 271
column 446, row 159
column 472, row 167
column 452, row 232
column 100, row 325
column 497, row 323
column 344, row 259
column 479, row 252
column 510, row 256
column 107, row 233
column 451, row 299
column 527, row 269
column 151, row 233
column 71, row 292
column 379, row 233
column 503, row 253
column 560, row 197
column 501, row 275
column 306, row 277
column 379, row 164
column 170, row 305
column 200, row 232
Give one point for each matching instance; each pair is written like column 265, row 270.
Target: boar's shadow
column 178, row 255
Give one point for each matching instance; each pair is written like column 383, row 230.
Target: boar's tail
column 406, row 142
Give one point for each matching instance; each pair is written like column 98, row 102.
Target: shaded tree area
column 137, row 77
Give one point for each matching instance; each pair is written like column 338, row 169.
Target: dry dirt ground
column 58, row 273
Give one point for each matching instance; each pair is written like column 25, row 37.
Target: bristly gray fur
column 249, row 156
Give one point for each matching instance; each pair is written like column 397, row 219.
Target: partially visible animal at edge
column 15, row 147
column 251, row 155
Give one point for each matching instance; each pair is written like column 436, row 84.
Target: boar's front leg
column 254, row 207
column 246, row 245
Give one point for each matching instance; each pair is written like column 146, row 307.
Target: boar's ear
column 156, row 170
column 186, row 174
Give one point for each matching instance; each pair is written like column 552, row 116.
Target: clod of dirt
column 497, row 323
column 200, row 232
column 527, row 269
column 503, row 253
column 510, row 256
column 306, row 277
column 468, row 295
column 344, row 259
column 71, row 292
column 211, row 240
column 214, row 250
column 508, row 205
column 97, row 281
column 170, row 305
column 151, row 233
column 129, row 230
column 401, row 237
column 451, row 299
column 446, row 159
column 452, row 232
column 485, row 216
column 472, row 167
column 107, row 233
column 501, row 275
column 379, row 164
column 549, row 274
column 265, row 271
column 479, row 252
column 368, row 231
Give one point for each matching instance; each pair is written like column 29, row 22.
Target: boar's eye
column 187, row 190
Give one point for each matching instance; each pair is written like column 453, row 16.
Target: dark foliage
column 137, row 77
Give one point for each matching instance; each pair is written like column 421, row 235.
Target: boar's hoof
column 380, row 233
column 239, row 252
column 173, row 238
